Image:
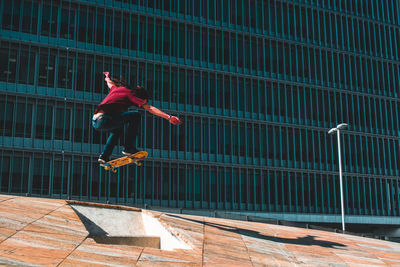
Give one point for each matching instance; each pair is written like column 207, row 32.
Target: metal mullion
column 369, row 210
column 2, row 167
column 387, row 20
column 316, row 207
column 353, row 33
column 386, row 126
column 391, row 202
column 392, row 79
column 396, row 7
column 309, row 190
column 303, row 208
column 358, row 195
column 209, row 187
column 376, row 119
column 396, row 126
column 346, row 192
column 364, row 196
column 393, row 43
column 282, row 192
column 247, row 188
column 218, row 191
column 11, row 169
column 349, row 155
column 201, row 181
column 1, row 13
column 355, row 143
column 225, row 187
column 328, row 198
column 262, row 186
column 364, row 151
column 384, row 165
column 324, row 205
column 379, row 104
column 376, row 198
column 81, row 179
column 374, row 160
column 396, row 49
column 395, row 156
column 381, row 183
column 398, row 197
column 22, row 172
column 334, row 193
column 160, row 196
column 319, row 29
column 364, row 112
column 275, row 208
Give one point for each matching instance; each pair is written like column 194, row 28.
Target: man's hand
column 108, row 80
column 175, row 120
column 155, row 111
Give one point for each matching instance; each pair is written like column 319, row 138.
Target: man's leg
column 133, row 119
column 111, row 142
column 108, row 123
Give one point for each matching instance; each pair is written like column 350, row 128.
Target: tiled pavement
column 37, row 231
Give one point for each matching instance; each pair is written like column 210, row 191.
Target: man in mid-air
column 112, row 114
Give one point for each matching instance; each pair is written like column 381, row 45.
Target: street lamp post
column 332, row 131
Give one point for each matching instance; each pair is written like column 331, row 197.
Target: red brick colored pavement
column 47, row 232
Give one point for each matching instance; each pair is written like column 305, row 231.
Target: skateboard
column 114, row 164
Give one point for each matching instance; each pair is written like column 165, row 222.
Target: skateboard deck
column 136, row 158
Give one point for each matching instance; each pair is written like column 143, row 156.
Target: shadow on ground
column 308, row 240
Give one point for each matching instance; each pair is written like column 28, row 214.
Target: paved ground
column 35, row 231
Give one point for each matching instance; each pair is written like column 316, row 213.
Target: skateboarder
column 112, row 114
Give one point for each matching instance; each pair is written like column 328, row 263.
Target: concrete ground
column 37, row 231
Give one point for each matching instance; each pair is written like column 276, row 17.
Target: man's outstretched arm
column 155, row 111
column 108, row 80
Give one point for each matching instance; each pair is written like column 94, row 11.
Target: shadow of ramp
column 308, row 240
column 93, row 229
column 99, row 235
column 138, row 241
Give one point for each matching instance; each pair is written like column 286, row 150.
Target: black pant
column 115, row 124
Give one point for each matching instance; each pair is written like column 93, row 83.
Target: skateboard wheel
column 138, row 163
column 114, row 170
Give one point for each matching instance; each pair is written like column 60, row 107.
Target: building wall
column 257, row 84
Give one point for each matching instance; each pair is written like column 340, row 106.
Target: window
column 49, row 20
column 211, row 46
column 6, row 115
column 197, row 43
column 150, row 36
column 166, row 38
column 11, row 16
column 91, row 23
column 67, row 25
column 82, row 25
column 62, row 125
column 65, row 70
column 99, row 26
column 44, row 119
column 219, row 46
column 26, row 70
column 23, row 118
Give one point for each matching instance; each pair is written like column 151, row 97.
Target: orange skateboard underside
column 116, row 163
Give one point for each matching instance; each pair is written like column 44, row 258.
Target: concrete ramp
column 51, row 232
column 126, row 227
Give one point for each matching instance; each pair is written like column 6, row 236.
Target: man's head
column 141, row 92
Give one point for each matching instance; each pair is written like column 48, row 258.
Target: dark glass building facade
column 257, row 83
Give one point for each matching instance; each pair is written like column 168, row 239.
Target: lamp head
column 332, row 131
column 342, row 126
